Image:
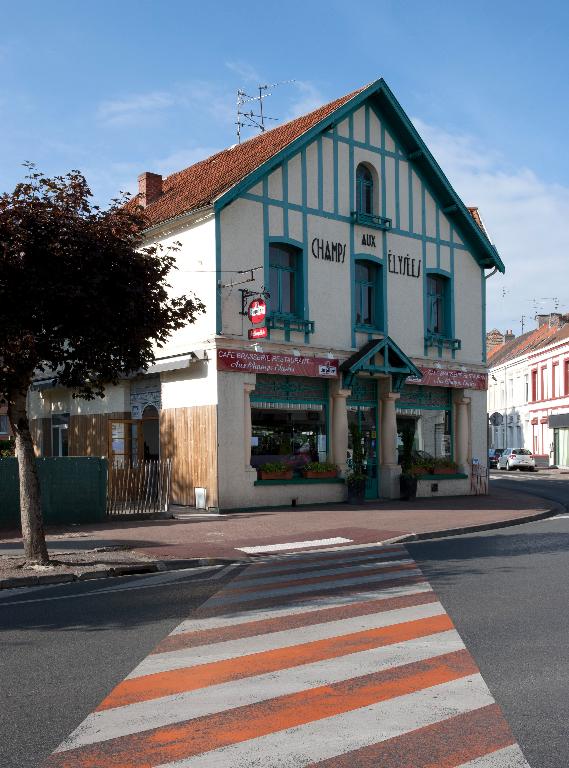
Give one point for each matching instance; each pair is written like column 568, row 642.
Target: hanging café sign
column 240, row 361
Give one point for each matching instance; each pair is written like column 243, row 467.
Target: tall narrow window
column 364, row 190
column 437, row 309
column 59, row 434
column 534, row 385
column 368, row 292
column 284, row 278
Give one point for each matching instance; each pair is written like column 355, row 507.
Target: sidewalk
column 226, row 537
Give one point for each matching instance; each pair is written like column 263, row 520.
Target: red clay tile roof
column 200, row 184
column 478, row 219
column 528, row 342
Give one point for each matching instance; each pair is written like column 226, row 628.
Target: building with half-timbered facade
column 344, row 281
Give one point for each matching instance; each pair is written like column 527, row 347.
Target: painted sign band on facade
column 237, row 360
column 444, row 377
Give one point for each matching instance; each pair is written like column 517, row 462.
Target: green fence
column 73, row 490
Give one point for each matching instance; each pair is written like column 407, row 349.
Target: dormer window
column 364, row 190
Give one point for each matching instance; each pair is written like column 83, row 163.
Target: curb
column 136, row 569
column 158, row 566
column 425, row 535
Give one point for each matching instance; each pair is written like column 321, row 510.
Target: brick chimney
column 509, row 336
column 149, row 187
column 494, row 339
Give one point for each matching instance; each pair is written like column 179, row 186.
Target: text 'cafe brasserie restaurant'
column 299, row 411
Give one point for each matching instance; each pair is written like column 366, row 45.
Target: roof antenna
column 252, row 119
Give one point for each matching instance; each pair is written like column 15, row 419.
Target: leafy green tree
column 81, row 296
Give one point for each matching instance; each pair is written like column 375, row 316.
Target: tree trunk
column 30, row 502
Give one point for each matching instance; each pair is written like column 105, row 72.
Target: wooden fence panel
column 139, row 489
column 189, row 437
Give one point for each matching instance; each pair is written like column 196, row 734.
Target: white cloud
column 526, row 219
column 132, row 109
column 196, row 95
column 245, row 71
column 181, row 158
column 308, row 99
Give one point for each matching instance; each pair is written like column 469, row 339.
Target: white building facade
column 373, row 274
column 529, row 387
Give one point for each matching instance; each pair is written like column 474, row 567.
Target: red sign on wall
column 240, row 361
column 257, row 333
column 257, row 311
column 443, row 377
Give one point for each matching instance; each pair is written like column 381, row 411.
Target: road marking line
column 325, row 739
column 244, row 648
column 290, row 621
column 235, row 618
column 133, row 718
column 189, row 679
column 294, row 545
column 288, row 592
column 295, row 664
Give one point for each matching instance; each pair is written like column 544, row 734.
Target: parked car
column 517, row 458
column 493, row 456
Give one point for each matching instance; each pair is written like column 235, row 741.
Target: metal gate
column 138, row 488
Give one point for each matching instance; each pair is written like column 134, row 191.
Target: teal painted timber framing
column 218, row 297
column 404, row 133
column 285, row 198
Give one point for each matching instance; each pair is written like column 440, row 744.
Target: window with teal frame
column 364, row 190
column 439, row 313
column 438, row 309
column 368, row 296
column 285, row 279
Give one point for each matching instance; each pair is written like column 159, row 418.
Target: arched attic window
column 364, row 190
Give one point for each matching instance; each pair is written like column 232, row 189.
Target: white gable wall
column 310, row 197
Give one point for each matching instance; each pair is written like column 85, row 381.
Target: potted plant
column 444, row 467
column 319, row 469
column 421, row 467
column 356, row 477
column 407, row 479
column 275, row 470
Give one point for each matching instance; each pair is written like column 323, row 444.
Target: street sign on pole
column 257, row 333
column 257, row 311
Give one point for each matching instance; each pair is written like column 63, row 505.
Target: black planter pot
column 356, row 492
column 407, row 487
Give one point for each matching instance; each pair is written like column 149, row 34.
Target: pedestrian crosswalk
column 339, row 659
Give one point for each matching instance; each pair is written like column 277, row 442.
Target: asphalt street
column 507, row 593
column 64, row 648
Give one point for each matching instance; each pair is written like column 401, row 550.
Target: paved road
column 62, row 649
column 65, row 648
column 507, row 592
column 338, row 658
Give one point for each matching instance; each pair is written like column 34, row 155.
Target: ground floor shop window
column 427, row 411
column 561, row 447
column 288, row 433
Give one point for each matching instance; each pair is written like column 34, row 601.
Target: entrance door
column 362, row 423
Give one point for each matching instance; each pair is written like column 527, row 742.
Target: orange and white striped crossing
column 338, row 658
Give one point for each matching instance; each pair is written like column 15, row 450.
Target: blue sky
column 116, row 88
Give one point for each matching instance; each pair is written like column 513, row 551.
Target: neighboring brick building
column 528, row 384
